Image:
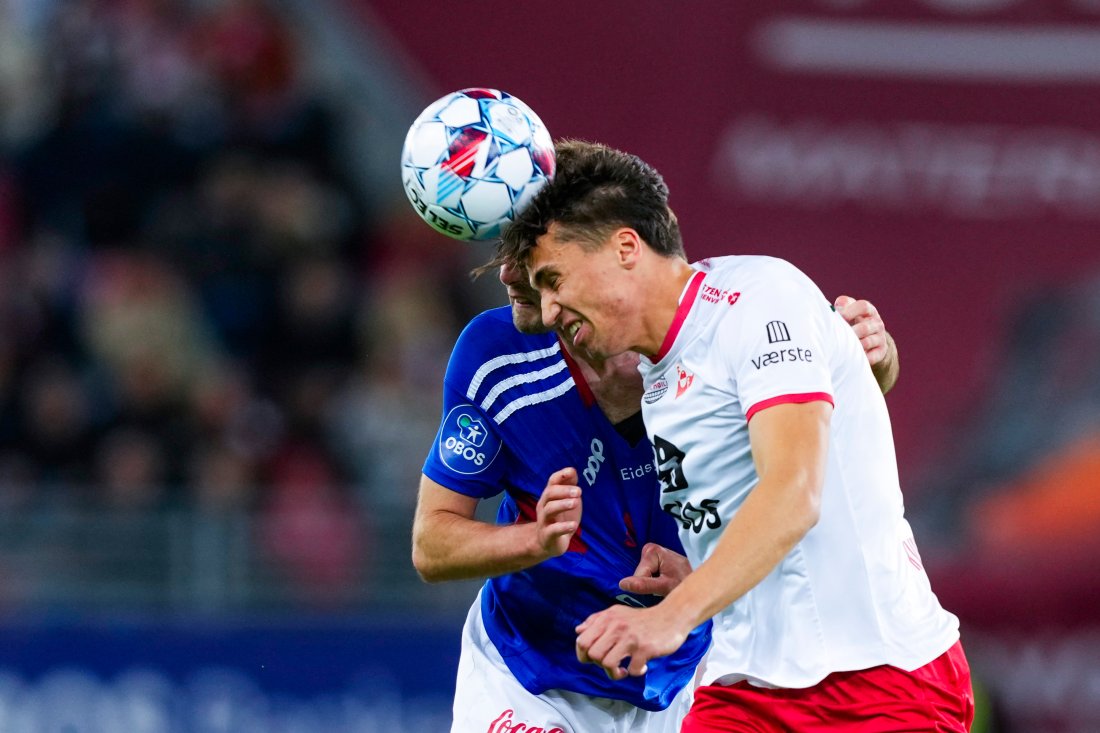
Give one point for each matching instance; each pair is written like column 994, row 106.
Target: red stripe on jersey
column 682, row 311
column 528, row 513
column 587, row 395
column 787, row 399
column 631, row 535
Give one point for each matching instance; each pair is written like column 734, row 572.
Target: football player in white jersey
column 449, row 543
column 775, row 456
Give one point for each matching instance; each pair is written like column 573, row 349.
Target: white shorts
column 488, row 699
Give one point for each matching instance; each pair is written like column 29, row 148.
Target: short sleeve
column 775, row 344
column 468, row 454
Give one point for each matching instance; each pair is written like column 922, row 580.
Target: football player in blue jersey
column 556, row 430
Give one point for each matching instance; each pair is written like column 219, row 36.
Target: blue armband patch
column 466, row 445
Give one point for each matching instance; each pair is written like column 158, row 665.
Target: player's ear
column 628, row 246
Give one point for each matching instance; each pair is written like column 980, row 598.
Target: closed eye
column 545, row 279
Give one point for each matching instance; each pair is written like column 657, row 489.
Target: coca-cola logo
column 505, row 724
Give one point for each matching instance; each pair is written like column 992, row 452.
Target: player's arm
column 450, row 544
column 789, row 445
column 878, row 344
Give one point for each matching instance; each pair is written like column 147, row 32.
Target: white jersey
column 750, row 333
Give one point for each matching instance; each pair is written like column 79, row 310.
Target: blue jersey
column 515, row 412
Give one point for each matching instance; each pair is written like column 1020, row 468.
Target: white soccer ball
column 473, row 159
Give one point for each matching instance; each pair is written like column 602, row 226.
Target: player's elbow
column 427, row 572
column 803, row 505
column 425, row 562
column 810, row 513
column 808, row 506
column 426, row 566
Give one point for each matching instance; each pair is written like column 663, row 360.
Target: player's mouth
column 517, row 299
column 576, row 335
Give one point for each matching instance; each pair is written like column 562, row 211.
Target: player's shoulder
column 492, row 334
column 750, row 268
column 491, row 326
column 759, row 278
column 490, row 349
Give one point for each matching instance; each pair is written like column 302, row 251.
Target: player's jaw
column 594, row 327
column 574, row 329
column 583, row 337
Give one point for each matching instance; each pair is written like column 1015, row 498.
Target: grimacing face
column 583, row 294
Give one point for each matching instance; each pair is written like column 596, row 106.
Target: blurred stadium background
column 223, row 331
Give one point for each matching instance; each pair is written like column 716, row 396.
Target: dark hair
column 595, row 190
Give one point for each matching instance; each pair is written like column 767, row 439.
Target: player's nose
column 551, row 311
column 512, row 273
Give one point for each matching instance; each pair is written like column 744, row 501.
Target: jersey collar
column 587, row 397
column 687, row 299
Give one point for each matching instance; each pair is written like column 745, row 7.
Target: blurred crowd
column 198, row 308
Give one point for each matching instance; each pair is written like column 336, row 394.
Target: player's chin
column 591, row 349
column 527, row 318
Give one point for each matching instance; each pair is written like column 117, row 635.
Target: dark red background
column 667, row 80
column 664, row 80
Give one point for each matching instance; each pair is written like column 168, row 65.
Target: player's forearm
column 774, row 518
column 886, row 370
column 451, row 547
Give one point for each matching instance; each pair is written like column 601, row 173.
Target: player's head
column 522, row 297
column 586, row 237
column 595, row 190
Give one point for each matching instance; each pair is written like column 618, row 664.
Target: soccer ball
column 473, row 159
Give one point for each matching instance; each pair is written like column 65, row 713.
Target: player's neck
column 614, row 381
column 662, row 299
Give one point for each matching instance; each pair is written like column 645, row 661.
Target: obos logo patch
column 466, row 446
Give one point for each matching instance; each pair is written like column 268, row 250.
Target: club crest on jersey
column 684, row 378
column 656, row 391
column 466, row 446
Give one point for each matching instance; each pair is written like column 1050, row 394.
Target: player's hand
column 658, row 572
column 865, row 320
column 607, row 638
column 558, row 512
